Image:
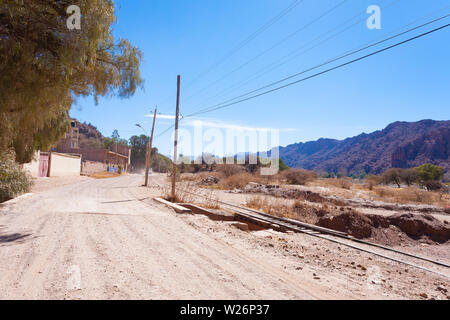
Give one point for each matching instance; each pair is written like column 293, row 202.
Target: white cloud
column 214, row 123
column 161, row 116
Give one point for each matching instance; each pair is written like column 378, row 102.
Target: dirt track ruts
column 95, row 239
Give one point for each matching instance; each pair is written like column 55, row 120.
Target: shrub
column 429, row 172
column 392, row 175
column 282, row 165
column 229, row 170
column 435, row 186
column 238, row 181
column 13, row 180
column 298, row 176
column 343, row 183
column 371, row 181
column 410, row 195
column 409, row 176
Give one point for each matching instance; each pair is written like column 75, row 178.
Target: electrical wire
column 222, row 106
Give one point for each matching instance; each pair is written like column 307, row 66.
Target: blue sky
column 408, row 83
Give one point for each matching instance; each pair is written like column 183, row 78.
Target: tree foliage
column 282, row 166
column 13, row 180
column 429, row 172
column 115, row 140
column 392, row 175
column 45, row 67
column 427, row 175
column 139, row 146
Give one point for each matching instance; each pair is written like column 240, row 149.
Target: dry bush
column 297, row 209
column 239, row 181
column 298, row 176
column 190, row 177
column 371, row 181
column 411, row 195
column 196, row 177
column 228, row 170
column 190, row 193
column 183, row 193
column 343, row 183
column 276, row 207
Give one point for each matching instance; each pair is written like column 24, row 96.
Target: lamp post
column 149, row 149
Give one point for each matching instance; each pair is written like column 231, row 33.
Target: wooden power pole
column 175, row 143
column 149, row 151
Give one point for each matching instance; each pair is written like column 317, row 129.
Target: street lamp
column 138, row 125
column 149, row 149
column 147, row 160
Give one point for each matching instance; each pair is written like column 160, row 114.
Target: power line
column 243, row 43
column 328, row 62
column 270, row 48
column 289, row 56
column 221, row 106
column 255, row 34
column 323, row 72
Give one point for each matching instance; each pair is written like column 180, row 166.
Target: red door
column 43, row 165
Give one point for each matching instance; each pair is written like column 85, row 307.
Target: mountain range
column 399, row 145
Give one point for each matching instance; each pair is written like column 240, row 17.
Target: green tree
column 138, row 146
column 45, row 67
column 282, row 165
column 115, row 140
column 429, row 172
column 13, row 180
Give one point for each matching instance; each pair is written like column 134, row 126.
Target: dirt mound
column 351, row 222
column 419, row 225
column 361, row 226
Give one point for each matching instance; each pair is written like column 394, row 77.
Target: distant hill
column 400, row 145
column 90, row 137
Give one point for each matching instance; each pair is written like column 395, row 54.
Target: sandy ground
column 107, row 239
column 44, row 183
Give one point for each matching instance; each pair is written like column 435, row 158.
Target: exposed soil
column 107, row 239
column 362, row 226
column 351, row 222
column 343, row 215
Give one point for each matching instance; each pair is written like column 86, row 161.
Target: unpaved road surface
column 107, row 239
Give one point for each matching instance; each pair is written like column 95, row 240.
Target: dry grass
column 196, row 177
column 343, row 183
column 228, row 170
column 238, row 181
column 104, row 175
column 412, row 195
column 370, row 190
column 293, row 209
column 190, row 193
column 298, row 176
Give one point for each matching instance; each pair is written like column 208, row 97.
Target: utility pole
column 175, row 143
column 149, row 151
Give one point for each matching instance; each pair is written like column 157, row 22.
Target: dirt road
column 106, row 239
column 96, row 239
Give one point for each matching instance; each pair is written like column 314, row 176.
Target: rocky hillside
column 90, row 137
column 400, row 144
